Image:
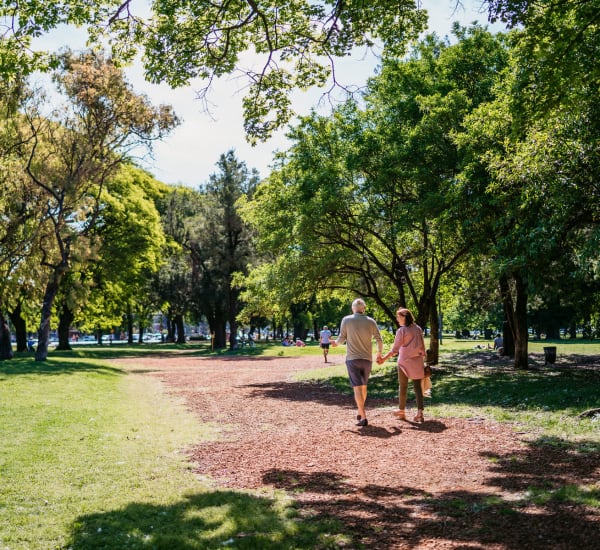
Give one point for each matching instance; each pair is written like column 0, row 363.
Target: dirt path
column 446, row 483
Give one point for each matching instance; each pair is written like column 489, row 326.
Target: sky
column 189, row 155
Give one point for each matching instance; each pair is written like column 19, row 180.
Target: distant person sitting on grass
column 300, row 343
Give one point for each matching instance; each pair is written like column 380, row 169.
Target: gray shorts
column 359, row 371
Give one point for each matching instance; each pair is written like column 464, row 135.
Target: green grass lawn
column 92, row 456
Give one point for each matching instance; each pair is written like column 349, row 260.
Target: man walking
column 324, row 341
column 358, row 332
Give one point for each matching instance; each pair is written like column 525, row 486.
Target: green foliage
column 130, row 250
column 67, row 162
column 212, row 246
column 374, row 189
column 291, row 44
column 531, row 172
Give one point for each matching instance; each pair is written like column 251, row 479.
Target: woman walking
column 409, row 345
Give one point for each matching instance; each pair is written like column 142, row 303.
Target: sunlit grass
column 78, row 436
column 93, row 457
column 578, row 347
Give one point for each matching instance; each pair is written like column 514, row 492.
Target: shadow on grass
column 550, row 389
column 540, row 497
column 81, row 358
column 218, row 519
column 19, row 366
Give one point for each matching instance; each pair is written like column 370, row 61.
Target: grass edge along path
column 80, row 437
column 91, row 457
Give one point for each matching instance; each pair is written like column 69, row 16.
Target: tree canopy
column 374, row 189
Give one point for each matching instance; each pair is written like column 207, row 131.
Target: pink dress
column 410, row 347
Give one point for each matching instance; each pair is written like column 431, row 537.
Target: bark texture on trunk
column 521, row 332
column 20, row 327
column 6, row 351
column 64, row 325
column 514, row 297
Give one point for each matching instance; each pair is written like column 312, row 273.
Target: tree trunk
column 41, row 353
column 508, row 328
column 217, row 327
column 170, row 329
column 233, row 328
column 178, row 322
column 232, row 313
column 521, row 333
column 434, row 337
column 6, row 351
column 508, row 339
column 129, row 325
column 20, row 327
column 64, row 324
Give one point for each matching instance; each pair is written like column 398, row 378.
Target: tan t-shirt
column 359, row 331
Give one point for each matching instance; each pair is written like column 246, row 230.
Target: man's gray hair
column 359, row 306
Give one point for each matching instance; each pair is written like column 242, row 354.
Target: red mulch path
column 447, row 483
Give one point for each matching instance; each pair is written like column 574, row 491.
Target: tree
column 294, row 43
column 374, row 190
column 20, row 211
column 70, row 158
column 533, row 171
column 129, row 246
column 220, row 245
column 174, row 283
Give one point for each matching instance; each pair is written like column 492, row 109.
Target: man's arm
column 341, row 336
column 379, row 341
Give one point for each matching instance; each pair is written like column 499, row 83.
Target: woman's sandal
column 419, row 417
column 400, row 414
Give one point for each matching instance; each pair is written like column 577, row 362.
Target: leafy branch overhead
column 277, row 46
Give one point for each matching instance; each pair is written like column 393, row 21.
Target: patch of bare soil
column 446, row 483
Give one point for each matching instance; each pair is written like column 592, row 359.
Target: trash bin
column 549, row 355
